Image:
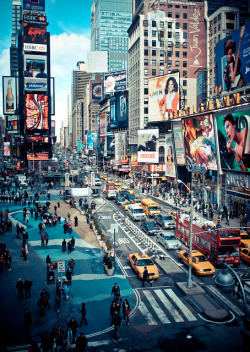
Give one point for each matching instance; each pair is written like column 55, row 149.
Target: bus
column 150, row 207
column 215, row 244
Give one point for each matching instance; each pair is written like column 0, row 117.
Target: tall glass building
column 110, row 20
column 16, row 27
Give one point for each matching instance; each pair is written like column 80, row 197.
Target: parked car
column 166, row 221
column 150, row 227
column 168, row 240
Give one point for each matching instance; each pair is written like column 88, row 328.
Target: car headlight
column 200, row 270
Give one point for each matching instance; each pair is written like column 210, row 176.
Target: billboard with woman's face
column 234, row 140
column 148, row 146
column 198, row 137
column 170, row 161
column 163, row 96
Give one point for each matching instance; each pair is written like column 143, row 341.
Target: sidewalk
column 89, row 284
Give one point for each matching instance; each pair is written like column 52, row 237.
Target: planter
column 109, row 272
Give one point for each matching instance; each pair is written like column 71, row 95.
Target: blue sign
column 34, row 5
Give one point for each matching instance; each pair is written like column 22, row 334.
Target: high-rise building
column 110, row 21
column 80, row 79
column 16, row 27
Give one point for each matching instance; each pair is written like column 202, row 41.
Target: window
column 185, row 35
column 161, row 24
column 177, row 54
column 184, row 74
column 145, row 81
column 145, row 23
column 145, row 90
column 177, row 63
column 161, row 53
column 185, row 54
column 184, row 63
column 170, row 44
column 219, row 17
column 145, row 42
column 185, row 15
column 153, row 72
column 169, row 63
column 154, row 62
column 177, row 15
column 145, row 110
column 185, row 26
column 161, row 62
column 162, row 44
column 146, row 72
column 170, row 25
column 154, row 34
column 146, row 52
column 145, row 62
column 177, row 44
column 185, row 92
column 169, row 14
column 177, row 35
column 185, row 45
column 154, row 43
column 169, row 35
column 153, row 52
column 177, row 25
column 153, row 23
column 229, row 25
column 184, row 83
column 230, row 16
column 145, row 32
column 161, row 72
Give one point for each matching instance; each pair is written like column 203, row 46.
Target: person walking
column 71, row 265
column 116, row 321
column 115, row 291
column 76, row 221
column 19, row 286
column 42, row 239
column 83, row 312
column 126, row 311
column 27, row 218
column 46, row 238
column 69, row 338
column 227, row 218
column 27, row 289
column 69, row 275
column 145, row 277
column 8, row 261
column 73, row 243
column 64, row 246
column 74, row 326
column 27, row 322
column 66, row 290
column 81, row 343
column 65, row 228
column 69, row 247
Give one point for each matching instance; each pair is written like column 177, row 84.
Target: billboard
column 163, row 96
column 120, row 145
column 169, row 158
column 233, row 60
column 97, row 91
column 6, row 151
column 178, row 143
column 92, row 137
column 34, row 5
column 35, row 73
column 36, row 112
column 148, row 146
column 103, row 125
column 115, row 81
column 9, row 95
column 234, row 140
column 198, row 137
column 35, row 47
column 34, row 33
column 34, row 18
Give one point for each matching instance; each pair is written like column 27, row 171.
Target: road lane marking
column 181, row 305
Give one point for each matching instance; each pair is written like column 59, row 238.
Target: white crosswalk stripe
column 169, row 306
column 179, row 304
column 148, row 316
column 160, row 313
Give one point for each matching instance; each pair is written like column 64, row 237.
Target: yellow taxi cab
column 245, row 255
column 138, row 261
column 245, row 240
column 136, row 201
column 101, row 175
column 173, row 214
column 122, row 188
column 125, row 205
column 109, row 181
column 200, row 265
column 117, row 183
column 131, row 191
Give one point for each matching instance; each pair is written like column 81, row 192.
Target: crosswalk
column 163, row 306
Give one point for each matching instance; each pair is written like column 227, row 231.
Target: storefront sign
column 238, row 180
column 192, row 167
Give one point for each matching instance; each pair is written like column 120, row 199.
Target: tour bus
column 150, row 207
column 135, row 212
column 215, row 244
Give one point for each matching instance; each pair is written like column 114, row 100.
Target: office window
column 162, row 44
column 185, row 92
column 153, row 72
column 170, row 25
column 154, row 34
column 145, row 32
column 169, row 14
column 169, row 35
column 161, row 62
column 153, row 23
column 177, row 54
column 161, row 53
column 185, row 26
column 184, row 63
column 145, row 23
column 153, row 52
column 146, row 52
column 185, row 54
column 230, row 16
column 184, row 83
column 177, row 44
column 169, row 63
column 185, row 15
column 145, row 81
column 146, row 62
column 177, row 15
column 145, row 42
column 161, row 24
column 162, row 72
column 153, row 62
column 185, row 35
column 146, row 72
column 177, row 35
column 229, row 25
column 177, row 25
column 145, row 110
column 170, row 44
column 177, row 63
column 184, row 74
column 154, row 43
column 169, row 53
column 185, row 45
column 145, row 90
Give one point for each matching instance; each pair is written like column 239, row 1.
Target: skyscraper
column 110, row 21
column 16, row 27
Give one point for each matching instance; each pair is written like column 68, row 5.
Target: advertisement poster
column 35, row 73
column 163, row 96
column 103, row 125
column 233, row 60
column 97, row 91
column 34, row 33
column 92, row 137
column 6, row 151
column 179, row 146
column 115, row 81
column 234, row 140
column 9, row 95
column 148, row 146
column 120, row 145
column 36, row 112
column 34, row 5
column 170, row 160
column 198, row 137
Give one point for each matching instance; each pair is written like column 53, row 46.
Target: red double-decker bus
column 222, row 244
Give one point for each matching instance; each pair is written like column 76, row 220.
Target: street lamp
column 189, row 281
column 225, row 283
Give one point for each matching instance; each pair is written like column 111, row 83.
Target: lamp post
column 225, row 283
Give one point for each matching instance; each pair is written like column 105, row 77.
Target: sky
column 69, row 27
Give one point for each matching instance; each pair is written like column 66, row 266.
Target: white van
column 136, row 212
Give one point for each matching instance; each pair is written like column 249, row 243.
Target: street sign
column 114, row 228
column 61, row 266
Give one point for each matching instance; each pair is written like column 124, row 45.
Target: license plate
column 151, row 277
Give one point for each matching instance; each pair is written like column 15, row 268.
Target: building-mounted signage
column 35, row 47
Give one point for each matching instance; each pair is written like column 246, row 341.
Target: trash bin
column 50, row 277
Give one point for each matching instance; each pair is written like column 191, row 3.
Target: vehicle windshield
column 112, row 191
column 153, row 207
column 245, row 236
column 201, row 258
column 170, row 238
column 151, row 224
column 228, row 251
column 121, row 199
column 138, row 201
column 145, row 262
column 229, row 234
column 138, row 211
column 167, row 217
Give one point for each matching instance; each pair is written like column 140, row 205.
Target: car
column 117, row 183
column 130, row 197
column 173, row 214
column 245, row 255
column 124, row 194
column 125, row 204
column 245, row 240
column 168, row 240
column 150, row 227
column 200, row 264
column 166, row 221
column 131, row 191
column 119, row 199
column 136, row 201
column 138, row 261
column 23, row 185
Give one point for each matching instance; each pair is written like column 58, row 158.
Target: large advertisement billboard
column 179, row 145
column 234, row 140
column 119, row 110
column 163, row 96
column 170, row 159
column 97, row 91
column 34, row 33
column 103, row 124
column 34, row 5
column 6, row 151
column 148, row 146
column 9, row 95
column 115, row 81
column 35, row 73
column 120, row 145
column 92, row 137
column 36, row 112
column 233, row 60
column 199, row 143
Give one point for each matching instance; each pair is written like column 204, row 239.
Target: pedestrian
column 76, row 221
column 65, row 228
column 227, row 219
column 27, row 322
column 27, row 288
column 69, row 338
column 116, row 321
column 69, row 247
column 46, row 238
column 65, row 290
column 24, row 253
column 64, row 246
column 115, row 291
column 27, row 218
column 81, row 343
column 8, row 261
column 69, row 275
column 2, row 263
column 55, row 207
column 45, row 297
column 58, row 302
column 112, row 310
column 58, row 203
column 83, row 312
column 19, row 286
column 71, row 265
column 74, row 326
column 126, row 311
column 72, row 243
column 145, row 277
column 48, row 260
column 42, row 239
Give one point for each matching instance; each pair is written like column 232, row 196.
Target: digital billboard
column 103, row 124
column 233, row 60
column 37, row 147
column 34, row 5
column 179, row 146
column 169, row 158
column 234, row 140
column 97, row 91
column 34, row 33
column 6, row 151
column 148, row 146
column 35, row 73
column 9, row 95
column 163, row 96
column 92, row 137
column 120, row 145
column 199, row 143
column 115, row 81
column 36, row 112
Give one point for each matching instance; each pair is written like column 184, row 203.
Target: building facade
column 16, row 27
